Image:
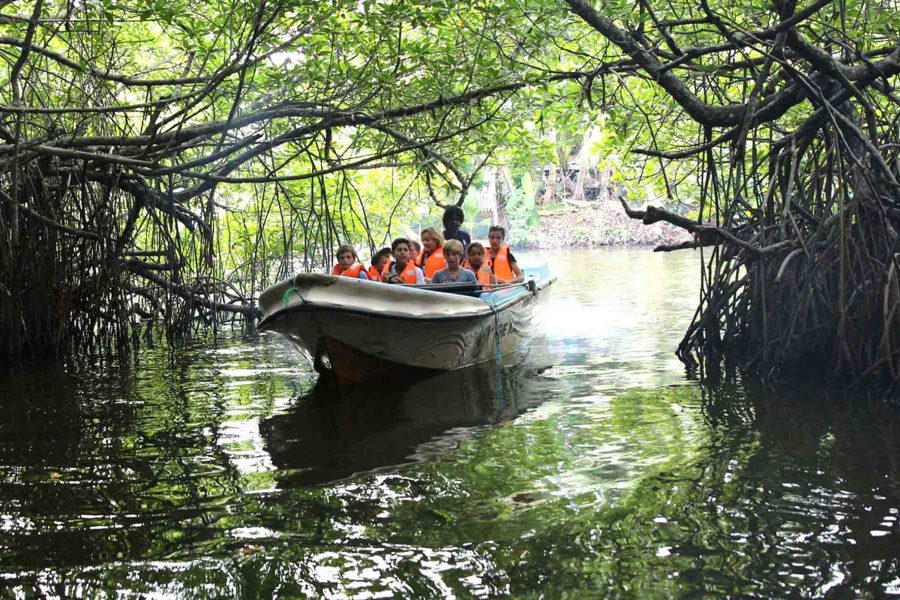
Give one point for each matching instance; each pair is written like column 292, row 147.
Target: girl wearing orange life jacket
column 476, row 264
column 348, row 263
column 431, row 260
column 415, row 249
column 373, row 274
column 501, row 261
column 379, row 264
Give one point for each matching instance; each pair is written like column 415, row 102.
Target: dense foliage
column 198, row 151
column 170, row 157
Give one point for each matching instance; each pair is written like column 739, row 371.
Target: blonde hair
column 453, row 246
column 433, row 233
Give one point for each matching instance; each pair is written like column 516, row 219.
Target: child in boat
column 403, row 270
column 453, row 220
column 348, row 264
column 501, row 261
column 415, row 249
column 476, row 264
column 454, row 273
column 431, row 260
column 379, row 264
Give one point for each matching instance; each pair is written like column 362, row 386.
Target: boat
column 365, row 331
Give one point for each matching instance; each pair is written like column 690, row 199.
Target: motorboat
column 365, row 331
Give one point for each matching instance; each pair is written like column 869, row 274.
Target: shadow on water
column 332, row 432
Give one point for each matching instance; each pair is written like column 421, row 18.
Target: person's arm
column 514, row 267
column 363, row 275
column 420, row 277
column 520, row 276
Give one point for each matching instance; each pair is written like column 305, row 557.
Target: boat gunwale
column 489, row 309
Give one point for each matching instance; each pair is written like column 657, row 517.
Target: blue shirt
column 464, row 276
column 462, row 236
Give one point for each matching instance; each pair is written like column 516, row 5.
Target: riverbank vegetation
column 166, row 161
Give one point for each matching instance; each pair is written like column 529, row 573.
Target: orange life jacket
column 482, row 275
column 434, row 263
column 373, row 273
column 351, row 271
column 408, row 275
column 500, row 266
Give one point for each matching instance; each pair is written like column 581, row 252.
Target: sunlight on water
column 595, row 468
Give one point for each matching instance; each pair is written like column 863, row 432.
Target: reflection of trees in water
column 655, row 492
column 781, row 497
column 126, row 465
column 332, row 433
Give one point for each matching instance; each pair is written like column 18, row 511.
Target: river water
column 218, row 468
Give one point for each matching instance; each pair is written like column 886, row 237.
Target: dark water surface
column 219, row 469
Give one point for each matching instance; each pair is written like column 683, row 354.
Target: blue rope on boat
column 498, row 380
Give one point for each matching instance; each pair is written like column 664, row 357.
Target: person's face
column 379, row 263
column 476, row 257
column 345, row 259
column 496, row 238
column 429, row 243
column 452, row 259
column 401, row 253
column 452, row 223
column 413, row 252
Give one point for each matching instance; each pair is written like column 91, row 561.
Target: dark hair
column 397, row 242
column 453, row 211
column 414, row 243
column 497, row 228
column 383, row 253
column 343, row 249
column 474, row 245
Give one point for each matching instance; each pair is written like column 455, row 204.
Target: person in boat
column 453, row 220
column 431, row 260
column 348, row 264
column 500, row 260
column 403, row 270
column 380, row 263
column 454, row 272
column 415, row 249
column 475, row 263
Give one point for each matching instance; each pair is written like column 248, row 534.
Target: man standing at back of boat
column 403, row 270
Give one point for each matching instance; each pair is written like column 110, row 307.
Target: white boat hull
column 364, row 329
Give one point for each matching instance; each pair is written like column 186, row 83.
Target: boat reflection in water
column 332, row 432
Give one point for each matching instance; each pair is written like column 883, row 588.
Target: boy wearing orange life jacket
column 379, row 264
column 431, row 260
column 475, row 263
column 501, row 261
column 348, row 263
column 403, row 270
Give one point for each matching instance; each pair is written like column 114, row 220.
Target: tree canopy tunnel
column 170, row 159
column 167, row 160
column 795, row 161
